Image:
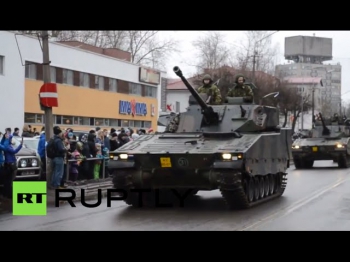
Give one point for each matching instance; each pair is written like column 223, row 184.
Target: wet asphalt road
column 316, row 199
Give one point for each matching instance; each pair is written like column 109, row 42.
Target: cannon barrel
column 325, row 131
column 194, row 93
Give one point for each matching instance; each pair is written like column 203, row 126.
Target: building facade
column 307, row 56
column 177, row 95
column 309, row 88
column 94, row 89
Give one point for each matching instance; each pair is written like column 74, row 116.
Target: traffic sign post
column 48, row 95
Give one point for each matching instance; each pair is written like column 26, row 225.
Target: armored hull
column 236, row 147
column 329, row 140
column 306, row 151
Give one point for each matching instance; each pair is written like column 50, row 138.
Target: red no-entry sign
column 48, row 95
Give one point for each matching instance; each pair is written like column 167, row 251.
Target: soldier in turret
column 335, row 118
column 211, row 90
column 241, row 90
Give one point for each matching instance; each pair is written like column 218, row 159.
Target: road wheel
column 256, row 188
column 261, row 187
column 272, row 184
column 250, row 189
column 267, row 185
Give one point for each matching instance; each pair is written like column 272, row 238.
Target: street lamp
column 313, row 88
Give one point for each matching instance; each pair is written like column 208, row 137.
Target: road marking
column 295, row 206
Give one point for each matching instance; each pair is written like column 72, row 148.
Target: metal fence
column 104, row 161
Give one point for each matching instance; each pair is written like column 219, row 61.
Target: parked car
column 28, row 160
column 78, row 133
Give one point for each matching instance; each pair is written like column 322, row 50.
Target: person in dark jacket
column 16, row 132
column 27, row 131
column 2, row 161
column 85, row 172
column 58, row 160
column 114, row 142
column 10, row 165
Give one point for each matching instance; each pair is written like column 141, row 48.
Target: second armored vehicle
column 329, row 140
column 237, row 147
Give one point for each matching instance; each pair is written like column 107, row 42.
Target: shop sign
column 132, row 108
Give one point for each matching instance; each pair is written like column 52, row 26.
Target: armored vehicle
column 236, row 147
column 329, row 140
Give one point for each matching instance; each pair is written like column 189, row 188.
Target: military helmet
column 238, row 76
column 207, row 77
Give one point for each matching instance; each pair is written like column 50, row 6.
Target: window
column 77, row 121
column 150, row 91
column 147, row 124
column 58, row 120
column 53, row 74
column 134, row 89
column 99, row 82
column 85, row 121
column 67, row 77
column 39, row 119
column 99, row 121
column 84, row 80
column 113, row 85
column 30, row 71
column 137, row 123
column 125, row 123
column 67, row 120
column 2, row 64
column 29, row 118
column 114, row 122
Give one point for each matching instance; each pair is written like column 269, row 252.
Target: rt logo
column 29, row 198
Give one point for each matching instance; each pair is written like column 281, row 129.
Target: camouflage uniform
column 210, row 90
column 241, row 90
column 173, row 125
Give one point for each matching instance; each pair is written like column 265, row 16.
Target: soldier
column 173, row 124
column 335, row 118
column 241, row 90
column 211, row 90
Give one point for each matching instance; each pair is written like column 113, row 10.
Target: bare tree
column 212, row 51
column 291, row 101
column 145, row 46
column 258, row 43
column 52, row 33
column 326, row 108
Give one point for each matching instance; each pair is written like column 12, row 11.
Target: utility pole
column 302, row 111
column 313, row 105
column 254, row 62
column 48, row 110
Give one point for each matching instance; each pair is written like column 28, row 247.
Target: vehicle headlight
column 23, row 163
column 296, row 147
column 34, row 162
column 123, row 156
column 340, row 146
column 226, row 156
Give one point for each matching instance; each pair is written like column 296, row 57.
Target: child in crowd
column 76, row 155
column 98, row 163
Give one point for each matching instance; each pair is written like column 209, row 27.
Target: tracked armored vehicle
column 236, row 147
column 329, row 140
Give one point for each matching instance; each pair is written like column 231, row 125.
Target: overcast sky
column 341, row 50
